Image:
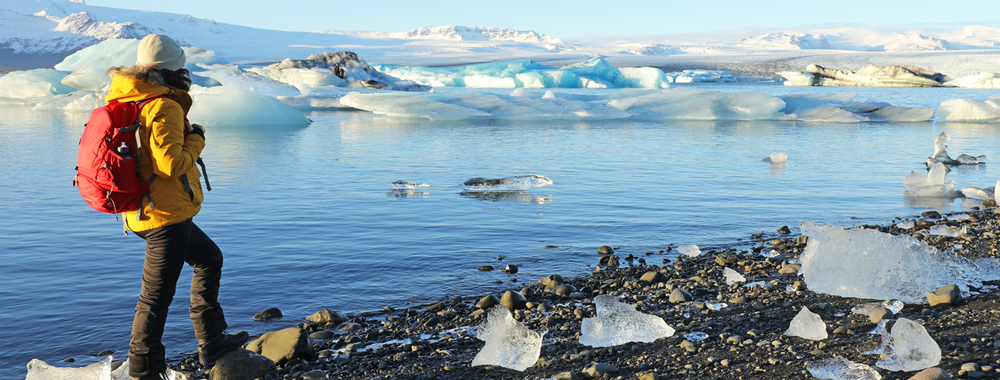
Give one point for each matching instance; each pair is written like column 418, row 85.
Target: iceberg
column 970, row 110
column 619, row 323
column 701, row 76
column 870, row 264
column 981, row 80
column 777, row 157
column 33, row 83
column 909, row 348
column 346, row 69
column 122, row 52
column 807, row 325
column 594, row 73
column 515, row 183
column 509, row 343
column 941, row 154
column 868, row 76
column 838, row 368
column 244, row 99
column 930, row 185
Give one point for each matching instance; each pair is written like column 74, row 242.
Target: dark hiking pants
column 167, row 249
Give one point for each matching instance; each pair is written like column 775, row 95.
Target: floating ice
column 244, row 100
column 312, row 77
column 404, row 185
column 619, row 323
column 870, row 264
column 732, row 276
column 906, row 224
column 808, row 325
column 33, row 84
column 981, row 80
column 867, row 308
column 515, row 183
column 838, row 368
column 945, row 230
column 696, row 336
column 909, row 348
column 841, row 107
column 941, row 154
column 931, row 185
column 122, row 52
column 970, row 110
column 342, row 68
column 88, row 78
column 509, row 343
column 981, row 194
column 701, row 76
column 39, row 370
column 868, row 76
column 777, row 157
column 595, row 73
column 689, row 250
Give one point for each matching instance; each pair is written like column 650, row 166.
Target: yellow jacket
column 164, row 150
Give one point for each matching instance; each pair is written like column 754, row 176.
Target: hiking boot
column 211, row 350
column 159, row 376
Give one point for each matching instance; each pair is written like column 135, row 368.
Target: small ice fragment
column 948, row 231
column 689, row 250
column 962, row 216
column 838, row 368
column 121, row 373
column 893, row 305
column 732, row 276
column 965, row 159
column 549, row 95
column 406, row 185
column 977, row 193
column 791, row 288
column 838, row 315
column 770, row 253
column 619, row 323
column 777, row 157
column 515, row 183
column 716, row 305
column 807, row 325
column 696, row 336
column 509, row 343
column 906, row 224
column 39, row 370
column 910, row 348
column 752, row 284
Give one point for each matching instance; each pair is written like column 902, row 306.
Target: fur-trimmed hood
column 136, row 83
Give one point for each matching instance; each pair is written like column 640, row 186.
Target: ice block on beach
column 509, row 343
column 909, row 348
column 39, row 370
column 619, row 323
column 808, row 325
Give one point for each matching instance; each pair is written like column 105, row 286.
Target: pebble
column 605, row 250
column 487, row 302
column 679, row 295
column 267, row 315
column 947, row 295
column 790, row 269
column 485, row 268
column 563, row 290
column 513, row 300
column 600, row 370
column 880, row 313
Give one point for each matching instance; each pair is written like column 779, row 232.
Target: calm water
column 307, row 221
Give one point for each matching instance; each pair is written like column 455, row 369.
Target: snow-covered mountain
column 912, row 41
column 783, row 41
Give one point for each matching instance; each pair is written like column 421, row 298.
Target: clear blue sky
column 580, row 19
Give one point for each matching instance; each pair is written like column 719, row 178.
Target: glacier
column 863, row 263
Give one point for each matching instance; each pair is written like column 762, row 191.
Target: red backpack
column 106, row 162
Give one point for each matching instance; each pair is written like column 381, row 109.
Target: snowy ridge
column 783, row 41
column 913, row 41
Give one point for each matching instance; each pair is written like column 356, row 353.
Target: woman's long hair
column 180, row 78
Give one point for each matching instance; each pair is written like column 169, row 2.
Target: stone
column 485, row 268
column 267, row 315
column 316, row 374
column 241, row 365
column 652, row 277
column 513, row 300
column 784, row 230
column 283, row 345
column 790, row 269
column 842, row 330
column 605, row 250
column 600, row 370
column 609, row 260
column 510, row 269
column 947, row 295
column 726, row 258
column 879, row 313
column 550, row 281
column 487, row 302
column 678, row 295
column 565, row 376
column 563, row 290
column 931, row 374
column 327, row 316
column 323, row 335
column 648, row 376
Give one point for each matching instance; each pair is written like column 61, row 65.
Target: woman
column 169, row 147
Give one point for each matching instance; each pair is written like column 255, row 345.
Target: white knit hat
column 157, row 50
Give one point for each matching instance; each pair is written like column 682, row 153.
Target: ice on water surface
column 838, row 368
column 595, row 73
column 406, row 185
column 509, row 343
column 515, row 183
column 870, row 264
column 909, row 348
column 33, row 83
column 732, row 276
column 808, row 325
column 244, row 99
column 689, row 250
column 777, row 157
column 619, row 323
column 931, row 185
column 970, row 110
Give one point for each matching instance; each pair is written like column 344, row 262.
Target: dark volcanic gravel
column 745, row 340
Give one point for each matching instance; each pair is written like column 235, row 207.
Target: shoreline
column 745, row 340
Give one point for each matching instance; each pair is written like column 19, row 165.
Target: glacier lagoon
column 307, row 220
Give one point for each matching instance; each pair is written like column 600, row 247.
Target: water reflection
column 407, row 193
column 929, row 203
column 519, row 196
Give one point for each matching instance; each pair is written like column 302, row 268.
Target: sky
column 581, row 19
